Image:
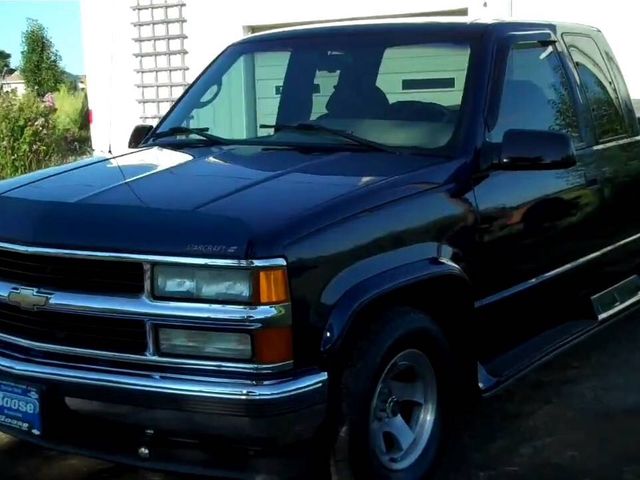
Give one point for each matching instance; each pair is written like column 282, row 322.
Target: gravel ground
column 576, row 418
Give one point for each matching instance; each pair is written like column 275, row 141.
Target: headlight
column 258, row 287
column 202, row 283
column 201, row 343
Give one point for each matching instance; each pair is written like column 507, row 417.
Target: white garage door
column 271, row 68
column 426, row 73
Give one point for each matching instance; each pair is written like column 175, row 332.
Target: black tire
column 394, row 332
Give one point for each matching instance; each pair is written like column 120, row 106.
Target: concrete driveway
column 576, row 418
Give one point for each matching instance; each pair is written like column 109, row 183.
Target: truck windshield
column 400, row 94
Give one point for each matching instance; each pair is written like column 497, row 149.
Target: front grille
column 107, row 334
column 71, row 274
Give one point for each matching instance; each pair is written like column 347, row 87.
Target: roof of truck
column 435, row 23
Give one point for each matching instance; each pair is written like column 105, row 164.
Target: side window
column 535, row 94
column 598, row 86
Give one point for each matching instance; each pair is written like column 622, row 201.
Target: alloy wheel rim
column 403, row 410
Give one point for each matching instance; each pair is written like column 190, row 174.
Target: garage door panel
column 271, row 73
column 271, row 59
column 425, row 50
column 268, row 89
column 268, row 105
column 424, row 73
column 420, row 64
column 270, row 70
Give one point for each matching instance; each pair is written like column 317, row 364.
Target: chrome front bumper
column 283, row 409
column 310, row 384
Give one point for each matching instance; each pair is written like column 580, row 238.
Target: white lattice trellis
column 161, row 55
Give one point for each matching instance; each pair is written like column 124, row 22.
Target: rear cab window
column 598, row 86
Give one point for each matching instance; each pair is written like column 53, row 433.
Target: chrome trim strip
column 148, row 360
column 130, row 257
column 146, row 308
column 618, row 308
column 554, row 273
column 617, row 291
column 616, row 142
column 151, row 340
column 212, row 388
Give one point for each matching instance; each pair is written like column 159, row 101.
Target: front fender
column 369, row 279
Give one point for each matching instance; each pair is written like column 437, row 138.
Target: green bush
column 72, row 121
column 29, row 138
column 34, row 135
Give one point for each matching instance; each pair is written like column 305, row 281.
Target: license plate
column 20, row 407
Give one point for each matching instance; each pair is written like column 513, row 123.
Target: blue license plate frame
column 20, row 407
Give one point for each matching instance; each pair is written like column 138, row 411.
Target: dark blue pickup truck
column 336, row 239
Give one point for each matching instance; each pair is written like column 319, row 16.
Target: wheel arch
column 435, row 286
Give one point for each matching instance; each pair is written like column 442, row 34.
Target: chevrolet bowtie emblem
column 28, row 298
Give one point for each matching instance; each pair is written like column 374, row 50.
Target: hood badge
column 28, row 298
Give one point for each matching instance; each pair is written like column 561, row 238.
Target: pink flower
column 49, row 100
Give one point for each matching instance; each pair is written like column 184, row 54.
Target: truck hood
column 207, row 200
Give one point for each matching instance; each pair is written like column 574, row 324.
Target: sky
column 60, row 17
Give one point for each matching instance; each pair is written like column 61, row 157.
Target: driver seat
column 370, row 102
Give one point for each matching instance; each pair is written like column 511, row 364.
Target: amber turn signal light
column 272, row 286
column 273, row 345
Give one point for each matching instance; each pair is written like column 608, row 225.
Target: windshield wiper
column 315, row 127
column 199, row 132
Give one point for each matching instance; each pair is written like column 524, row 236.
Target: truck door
column 537, row 228
column 615, row 153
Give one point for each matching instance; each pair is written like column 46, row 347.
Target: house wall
column 17, row 87
column 110, row 69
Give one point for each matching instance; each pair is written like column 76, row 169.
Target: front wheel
column 394, row 400
column 403, row 410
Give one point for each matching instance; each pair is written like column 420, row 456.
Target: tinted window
column 598, row 86
column 536, row 94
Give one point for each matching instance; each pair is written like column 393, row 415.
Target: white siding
column 110, row 68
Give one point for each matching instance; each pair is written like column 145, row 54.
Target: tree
column 40, row 67
column 5, row 60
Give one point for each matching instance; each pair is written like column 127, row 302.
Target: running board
column 617, row 298
column 611, row 304
column 502, row 370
